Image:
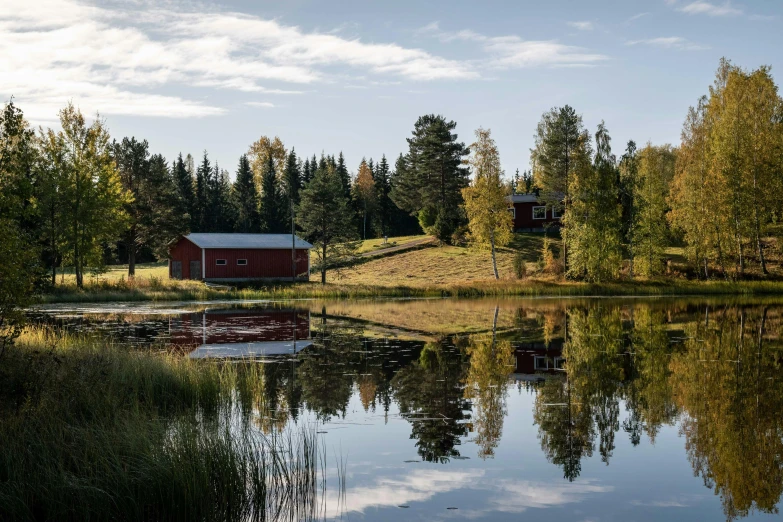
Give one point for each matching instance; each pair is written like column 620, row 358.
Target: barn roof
column 252, row 241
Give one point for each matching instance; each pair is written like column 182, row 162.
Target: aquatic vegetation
column 93, row 432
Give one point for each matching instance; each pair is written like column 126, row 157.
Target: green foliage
column 559, row 136
column 486, row 204
column 520, row 265
column 155, row 212
column 591, row 224
column 90, row 194
column 245, row 198
column 273, row 204
column 432, row 176
column 724, row 193
column 325, row 219
column 649, row 231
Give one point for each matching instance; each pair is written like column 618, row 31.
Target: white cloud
column 700, row 7
column 582, row 26
column 514, row 52
column 503, row 495
column 263, row 105
column 670, row 42
column 636, row 17
column 127, row 58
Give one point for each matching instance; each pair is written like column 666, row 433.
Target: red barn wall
column 185, row 251
column 523, row 217
column 261, row 264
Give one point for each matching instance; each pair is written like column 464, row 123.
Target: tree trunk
column 323, row 264
column 494, row 261
column 132, row 255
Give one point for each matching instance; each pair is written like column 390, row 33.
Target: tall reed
column 89, row 431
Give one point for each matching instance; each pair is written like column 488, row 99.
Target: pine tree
column 225, row 210
column 559, row 136
column 489, row 218
column 245, row 197
column 325, row 218
column 431, row 185
column 272, row 208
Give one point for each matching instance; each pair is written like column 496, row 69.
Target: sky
column 353, row 76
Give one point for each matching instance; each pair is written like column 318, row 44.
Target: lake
column 515, row 409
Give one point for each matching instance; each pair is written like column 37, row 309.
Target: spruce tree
column 382, row 189
column 401, row 221
column 342, row 173
column 245, row 197
column 201, row 203
column 292, row 177
column 183, row 180
column 272, row 208
column 307, row 174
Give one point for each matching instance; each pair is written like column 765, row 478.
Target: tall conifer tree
column 245, row 196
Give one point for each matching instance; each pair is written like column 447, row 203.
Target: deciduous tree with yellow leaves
column 486, row 202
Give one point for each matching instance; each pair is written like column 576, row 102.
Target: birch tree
column 486, row 204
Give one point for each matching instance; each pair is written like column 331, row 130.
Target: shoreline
column 192, row 292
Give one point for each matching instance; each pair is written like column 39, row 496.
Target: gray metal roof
column 259, row 241
column 523, row 198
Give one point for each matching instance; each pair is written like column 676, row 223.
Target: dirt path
column 405, row 246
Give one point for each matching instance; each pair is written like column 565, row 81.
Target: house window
column 539, row 212
column 540, row 363
column 241, row 261
column 556, row 213
column 220, row 262
column 513, row 211
column 559, row 363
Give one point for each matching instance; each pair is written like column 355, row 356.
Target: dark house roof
column 251, row 241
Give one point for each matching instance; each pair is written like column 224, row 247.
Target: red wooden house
column 532, row 215
column 239, row 257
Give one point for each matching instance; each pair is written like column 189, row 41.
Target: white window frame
column 534, row 213
column 220, row 262
column 513, row 211
column 243, row 263
column 556, row 214
column 538, row 358
column 559, row 364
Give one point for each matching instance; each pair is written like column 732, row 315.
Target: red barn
column 532, row 215
column 239, row 257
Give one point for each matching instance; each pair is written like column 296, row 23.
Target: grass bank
column 140, row 290
column 90, row 432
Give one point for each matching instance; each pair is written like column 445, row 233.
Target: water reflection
column 604, row 379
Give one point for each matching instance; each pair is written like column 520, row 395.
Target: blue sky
column 355, row 75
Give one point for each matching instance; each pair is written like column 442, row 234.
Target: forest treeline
column 78, row 198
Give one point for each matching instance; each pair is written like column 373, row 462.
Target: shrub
column 520, row 266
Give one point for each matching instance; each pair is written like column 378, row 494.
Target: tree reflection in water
column 714, row 372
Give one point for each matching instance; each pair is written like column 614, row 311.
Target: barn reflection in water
column 250, row 333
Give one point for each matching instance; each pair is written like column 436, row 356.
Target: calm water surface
column 545, row 409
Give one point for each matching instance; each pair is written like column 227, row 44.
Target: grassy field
column 374, row 245
column 432, row 271
column 441, row 266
